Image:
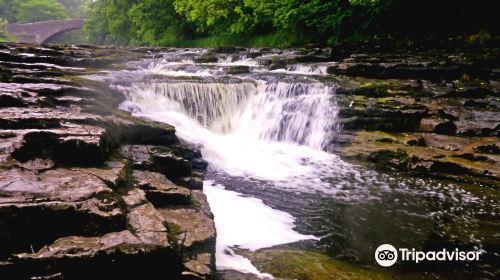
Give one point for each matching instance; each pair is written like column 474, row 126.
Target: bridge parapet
column 39, row 32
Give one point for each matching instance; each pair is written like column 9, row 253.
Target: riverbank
column 87, row 190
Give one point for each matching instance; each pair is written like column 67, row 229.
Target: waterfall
column 301, row 113
column 213, row 105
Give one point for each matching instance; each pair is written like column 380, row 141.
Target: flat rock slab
column 139, row 155
column 159, row 190
column 197, row 230
column 145, row 132
column 115, row 174
column 18, row 117
column 201, row 265
column 169, row 161
column 133, row 197
column 62, row 202
column 79, row 246
column 148, row 224
column 112, row 255
column 75, row 144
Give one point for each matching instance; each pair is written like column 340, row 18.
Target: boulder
column 10, row 99
column 442, row 126
column 239, row 69
column 133, row 197
column 493, row 148
column 206, row 58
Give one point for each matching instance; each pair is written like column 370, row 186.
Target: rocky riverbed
column 433, row 113
column 88, row 190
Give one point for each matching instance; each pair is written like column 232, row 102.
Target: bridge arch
column 40, row 32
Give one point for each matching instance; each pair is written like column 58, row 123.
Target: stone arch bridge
column 41, row 32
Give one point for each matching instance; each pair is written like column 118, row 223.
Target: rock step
column 90, row 176
column 159, row 190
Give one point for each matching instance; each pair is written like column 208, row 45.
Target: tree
column 3, row 30
column 40, row 10
column 133, row 21
column 108, row 21
column 297, row 22
column 76, row 8
column 230, row 17
column 8, row 9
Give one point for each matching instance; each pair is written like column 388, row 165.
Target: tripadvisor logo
column 387, row 255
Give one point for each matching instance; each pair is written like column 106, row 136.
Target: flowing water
column 273, row 179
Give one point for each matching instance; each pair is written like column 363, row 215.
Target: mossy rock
column 288, row 264
column 140, row 131
column 373, row 89
column 398, row 158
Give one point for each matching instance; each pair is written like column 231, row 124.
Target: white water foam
column 247, row 223
column 254, row 131
column 184, row 68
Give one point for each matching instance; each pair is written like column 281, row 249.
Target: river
column 274, row 178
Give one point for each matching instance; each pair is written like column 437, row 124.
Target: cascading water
column 213, row 105
column 266, row 134
column 298, row 113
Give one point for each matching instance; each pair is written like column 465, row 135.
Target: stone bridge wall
column 40, row 32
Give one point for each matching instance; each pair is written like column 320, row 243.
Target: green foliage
column 3, row 29
column 151, row 20
column 282, row 22
column 221, row 16
column 134, row 22
column 277, row 39
column 71, row 37
column 36, row 10
column 8, row 9
column 40, row 10
column 108, row 21
column 76, row 8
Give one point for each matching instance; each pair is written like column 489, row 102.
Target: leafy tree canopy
column 40, row 10
column 308, row 21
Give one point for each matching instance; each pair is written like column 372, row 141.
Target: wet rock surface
column 421, row 112
column 83, row 186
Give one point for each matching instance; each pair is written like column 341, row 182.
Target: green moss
column 174, row 230
column 373, row 89
column 308, row 265
column 195, row 204
column 388, row 102
column 127, row 116
column 386, row 140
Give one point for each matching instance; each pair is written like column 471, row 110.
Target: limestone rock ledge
column 88, row 191
column 432, row 113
